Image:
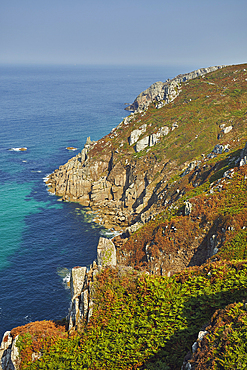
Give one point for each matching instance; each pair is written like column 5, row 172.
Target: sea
column 44, row 110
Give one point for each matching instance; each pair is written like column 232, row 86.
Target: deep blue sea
column 46, row 109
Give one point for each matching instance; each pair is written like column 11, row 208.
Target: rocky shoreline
column 128, row 188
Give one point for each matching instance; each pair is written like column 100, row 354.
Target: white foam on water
column 66, row 281
column 110, row 234
column 64, row 273
column 46, row 178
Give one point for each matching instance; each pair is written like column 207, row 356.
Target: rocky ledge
column 165, row 92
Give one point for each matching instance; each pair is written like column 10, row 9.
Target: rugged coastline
column 163, row 178
column 119, row 187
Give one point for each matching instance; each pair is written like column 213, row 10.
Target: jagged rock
column 15, row 354
column 36, row 356
column 131, row 229
column 201, row 335
column 190, row 167
column 187, row 208
column 243, row 156
column 88, row 142
column 174, row 125
column 77, row 279
column 82, row 284
column 154, row 138
column 101, row 190
column 9, row 353
column 186, row 364
column 147, row 96
column 106, row 253
column 218, row 149
column 229, row 173
column 84, row 300
column 165, row 91
column 77, row 311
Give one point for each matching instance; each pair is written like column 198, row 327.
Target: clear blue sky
column 158, row 32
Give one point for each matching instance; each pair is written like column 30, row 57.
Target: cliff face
column 165, row 92
column 82, row 284
column 123, row 176
column 173, row 178
column 152, row 163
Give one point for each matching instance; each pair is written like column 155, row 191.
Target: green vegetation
column 149, row 322
column 141, row 321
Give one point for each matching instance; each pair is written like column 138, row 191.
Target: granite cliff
column 165, row 92
column 108, row 177
column 171, row 179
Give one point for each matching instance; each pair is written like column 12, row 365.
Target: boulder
column 154, row 138
column 142, row 144
column 135, row 134
column 218, row 149
column 190, row 167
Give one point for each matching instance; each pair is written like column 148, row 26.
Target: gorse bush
column 145, row 322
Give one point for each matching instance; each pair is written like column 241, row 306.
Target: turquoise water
column 46, row 109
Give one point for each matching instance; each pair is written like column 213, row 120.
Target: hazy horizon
column 114, row 32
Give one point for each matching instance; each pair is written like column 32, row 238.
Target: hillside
column 129, row 181
column 171, row 179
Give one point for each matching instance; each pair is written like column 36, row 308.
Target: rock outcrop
column 9, row 353
column 130, row 189
column 165, row 92
column 135, row 134
column 243, row 156
column 115, row 188
column 106, row 176
column 150, row 140
column 82, row 282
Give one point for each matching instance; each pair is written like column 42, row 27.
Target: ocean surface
column 46, row 109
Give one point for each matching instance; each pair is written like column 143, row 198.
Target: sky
column 129, row 32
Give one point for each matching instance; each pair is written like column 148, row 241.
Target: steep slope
column 173, row 177
column 143, row 322
column 205, row 217
column 165, row 92
column 122, row 175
